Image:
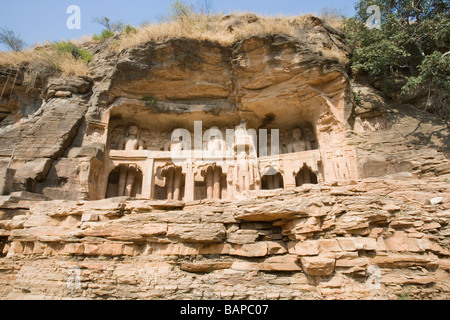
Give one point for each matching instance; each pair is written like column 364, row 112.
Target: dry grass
column 227, row 30
column 16, row 59
column 65, row 63
column 70, row 66
column 333, row 21
column 332, row 18
column 43, row 62
column 224, row 30
column 81, row 41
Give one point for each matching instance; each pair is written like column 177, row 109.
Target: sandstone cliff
column 367, row 232
column 375, row 239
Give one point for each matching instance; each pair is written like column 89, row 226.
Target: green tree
column 116, row 26
column 412, row 41
column 434, row 76
column 111, row 28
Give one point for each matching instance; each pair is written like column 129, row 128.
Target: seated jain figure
column 297, row 144
column 311, row 143
column 131, row 141
column 175, row 146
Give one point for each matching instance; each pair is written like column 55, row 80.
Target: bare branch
column 116, row 26
column 10, row 39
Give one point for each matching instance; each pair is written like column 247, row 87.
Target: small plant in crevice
column 357, row 96
column 404, row 296
column 149, row 100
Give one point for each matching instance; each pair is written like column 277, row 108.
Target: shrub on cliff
column 110, row 28
column 78, row 53
column 410, row 44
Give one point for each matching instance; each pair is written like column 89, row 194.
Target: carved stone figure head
column 308, row 134
column 241, row 129
column 242, row 155
column 297, row 134
column 117, row 131
column 133, row 130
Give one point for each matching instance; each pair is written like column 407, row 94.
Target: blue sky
column 38, row 21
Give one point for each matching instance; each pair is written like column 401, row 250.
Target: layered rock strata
column 362, row 240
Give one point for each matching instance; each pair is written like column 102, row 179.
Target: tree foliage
column 412, row 42
column 112, row 28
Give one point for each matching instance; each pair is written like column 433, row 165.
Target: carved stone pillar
column 149, row 181
column 122, row 180
column 210, row 183
column 217, row 190
column 213, row 177
column 177, row 184
column 270, row 184
column 306, row 176
column 276, row 181
column 189, row 187
column 170, row 177
column 130, row 180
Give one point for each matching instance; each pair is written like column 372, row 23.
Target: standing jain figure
column 246, row 174
column 128, row 172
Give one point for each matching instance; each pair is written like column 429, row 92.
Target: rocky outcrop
column 184, row 77
column 376, row 224
column 365, row 239
column 398, row 139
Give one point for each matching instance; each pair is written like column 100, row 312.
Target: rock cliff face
column 369, row 239
column 374, row 223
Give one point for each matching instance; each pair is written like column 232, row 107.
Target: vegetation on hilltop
column 408, row 56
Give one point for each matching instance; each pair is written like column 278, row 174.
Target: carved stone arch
column 214, row 182
column 306, row 174
column 272, row 169
column 173, row 187
column 125, row 180
column 272, row 177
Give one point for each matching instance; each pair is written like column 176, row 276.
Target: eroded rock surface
column 356, row 206
column 370, row 239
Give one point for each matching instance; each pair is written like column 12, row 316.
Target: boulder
column 318, row 266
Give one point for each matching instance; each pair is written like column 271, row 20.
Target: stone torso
column 132, row 143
